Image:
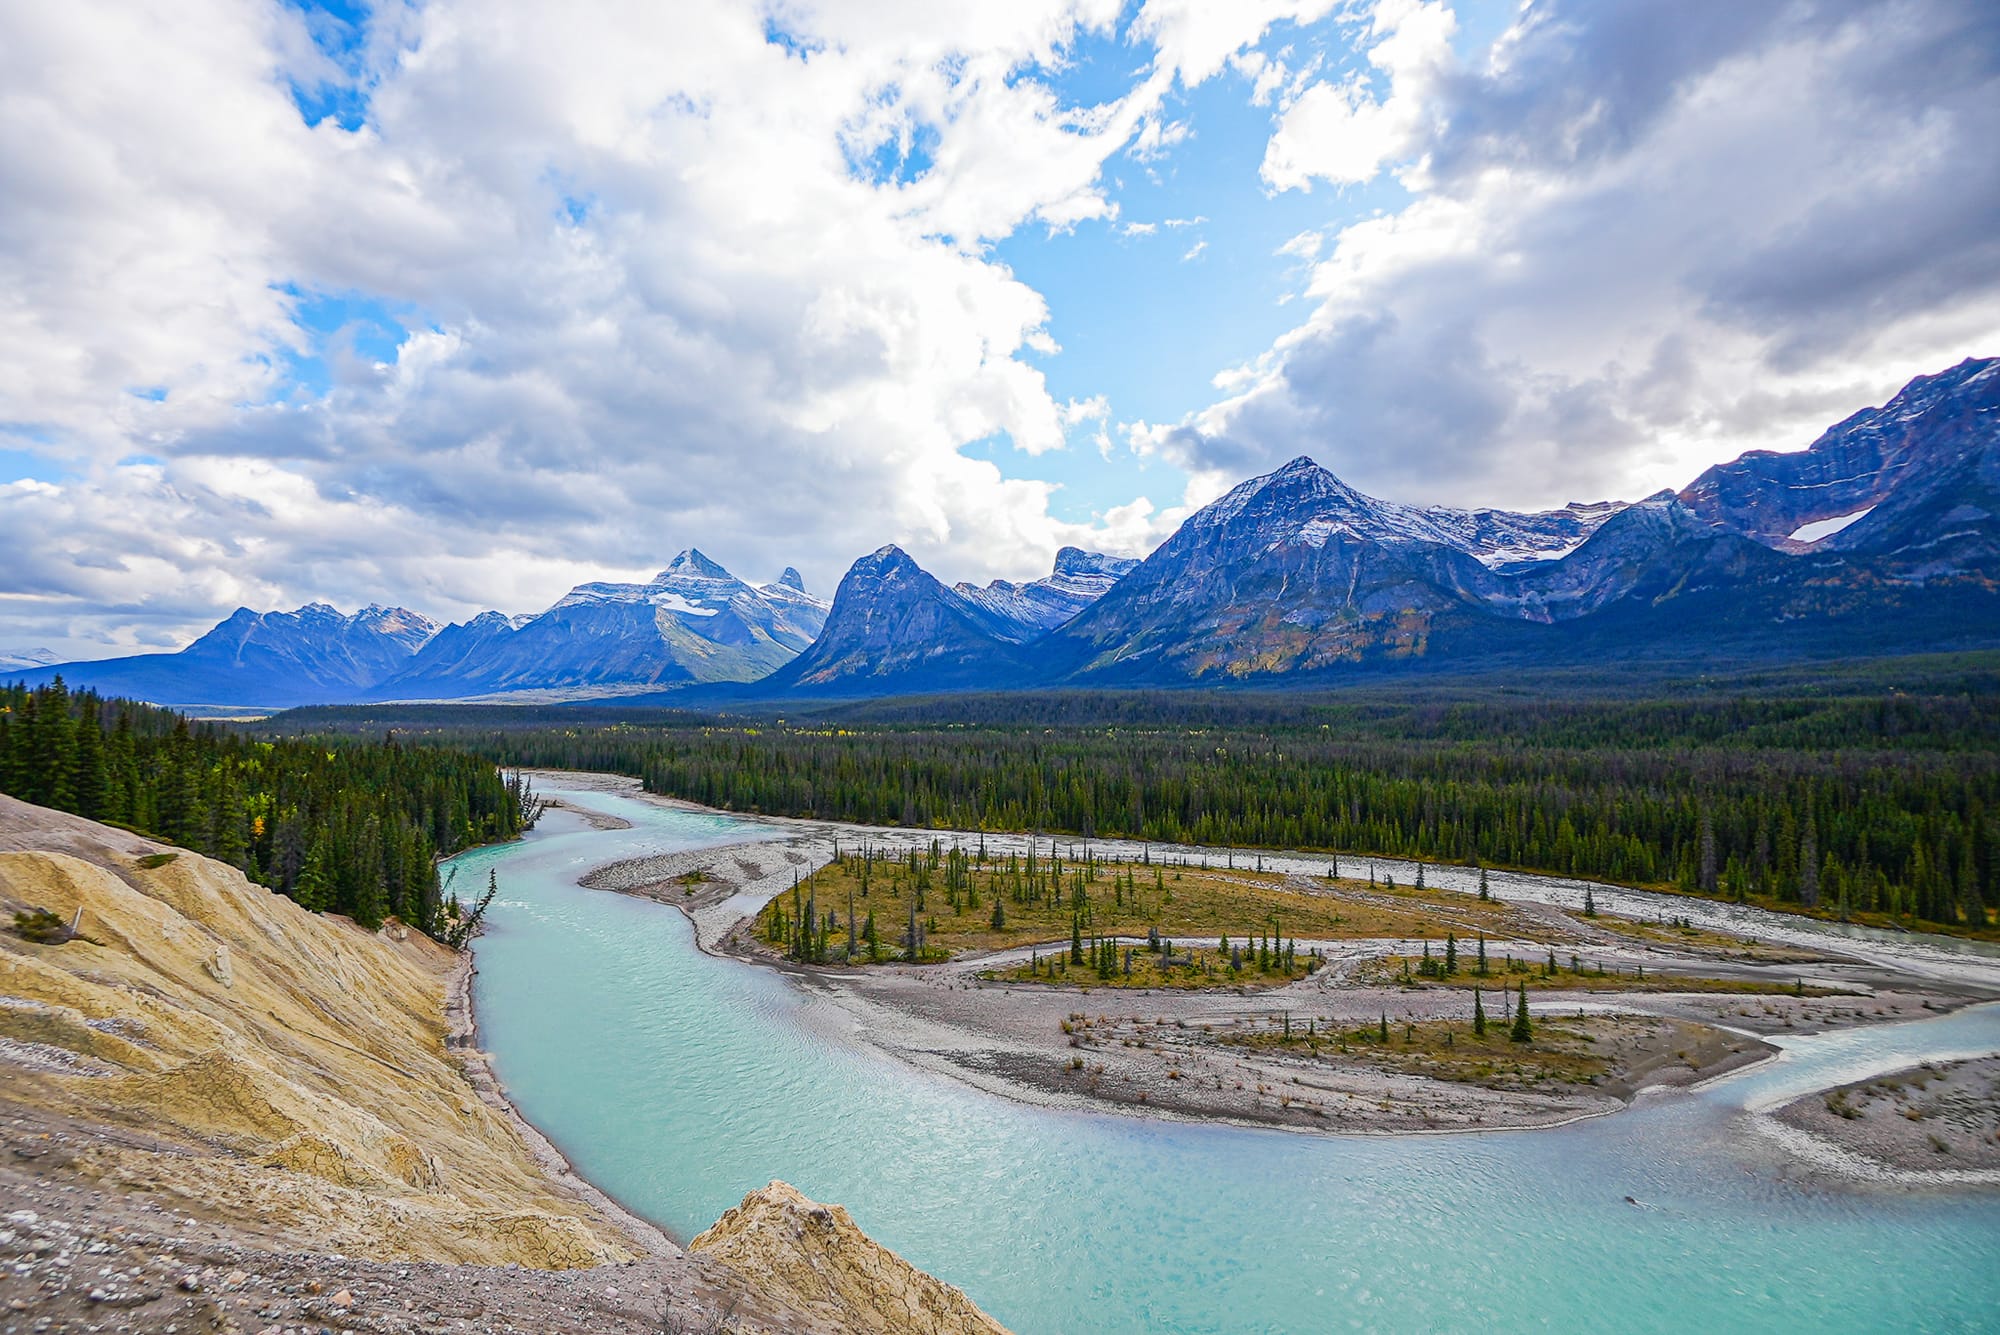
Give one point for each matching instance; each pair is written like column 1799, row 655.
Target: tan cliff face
column 278, row 1065
column 287, row 1073
column 813, row 1260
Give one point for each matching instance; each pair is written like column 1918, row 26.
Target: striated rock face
column 255, row 1062
column 811, row 1259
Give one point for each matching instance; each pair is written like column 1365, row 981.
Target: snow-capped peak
column 691, row 564
column 11, row 659
column 1303, row 503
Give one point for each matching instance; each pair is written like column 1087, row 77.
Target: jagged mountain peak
column 885, row 562
column 792, row 579
column 892, row 620
column 11, row 659
column 1831, row 495
column 692, row 563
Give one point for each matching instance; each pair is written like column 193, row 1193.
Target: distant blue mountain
column 263, row 659
column 1882, row 537
column 692, row 623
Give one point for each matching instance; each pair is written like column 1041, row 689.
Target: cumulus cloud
column 724, row 275
column 1639, row 238
column 1341, row 131
column 708, row 273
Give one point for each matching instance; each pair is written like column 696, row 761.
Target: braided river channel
column 677, row 1081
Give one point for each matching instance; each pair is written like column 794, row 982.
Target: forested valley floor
column 1870, row 793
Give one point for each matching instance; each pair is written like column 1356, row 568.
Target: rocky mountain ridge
column 1882, row 536
column 693, row 622
column 1879, row 537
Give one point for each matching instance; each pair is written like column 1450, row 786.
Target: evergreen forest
column 1873, row 804
column 350, row 825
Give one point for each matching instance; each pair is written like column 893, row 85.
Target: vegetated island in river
column 1314, row 994
column 222, row 1112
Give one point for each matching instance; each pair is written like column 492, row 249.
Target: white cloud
column 1305, row 245
column 1342, row 132
column 1194, row 40
column 1642, row 239
column 1194, row 251
column 746, row 342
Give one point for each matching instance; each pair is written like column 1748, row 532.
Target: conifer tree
column 1478, row 1014
column 1523, row 1031
column 314, row 889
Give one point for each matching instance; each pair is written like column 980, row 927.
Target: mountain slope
column 1911, row 446
column 1883, row 536
column 693, row 622
column 1291, row 572
column 264, row 659
column 1033, row 609
column 896, row 627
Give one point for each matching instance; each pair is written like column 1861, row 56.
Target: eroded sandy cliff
column 211, row 1048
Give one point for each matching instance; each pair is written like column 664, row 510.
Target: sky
column 454, row 305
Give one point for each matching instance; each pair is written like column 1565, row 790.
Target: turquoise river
column 677, row 1081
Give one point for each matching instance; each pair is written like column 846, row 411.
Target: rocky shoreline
column 1935, row 1123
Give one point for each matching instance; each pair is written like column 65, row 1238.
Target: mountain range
column 1882, row 536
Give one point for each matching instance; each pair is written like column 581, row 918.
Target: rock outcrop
column 812, row 1259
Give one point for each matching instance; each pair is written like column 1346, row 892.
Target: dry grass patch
column 952, row 894
column 1560, row 1052
column 1568, row 972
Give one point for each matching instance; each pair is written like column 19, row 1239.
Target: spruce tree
column 313, row 889
column 1478, row 1014
column 1523, row 1031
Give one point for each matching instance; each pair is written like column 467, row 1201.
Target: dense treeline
column 1870, row 804
column 355, row 827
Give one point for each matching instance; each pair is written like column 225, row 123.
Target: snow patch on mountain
column 1826, row 528
column 1028, row 611
column 674, row 602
